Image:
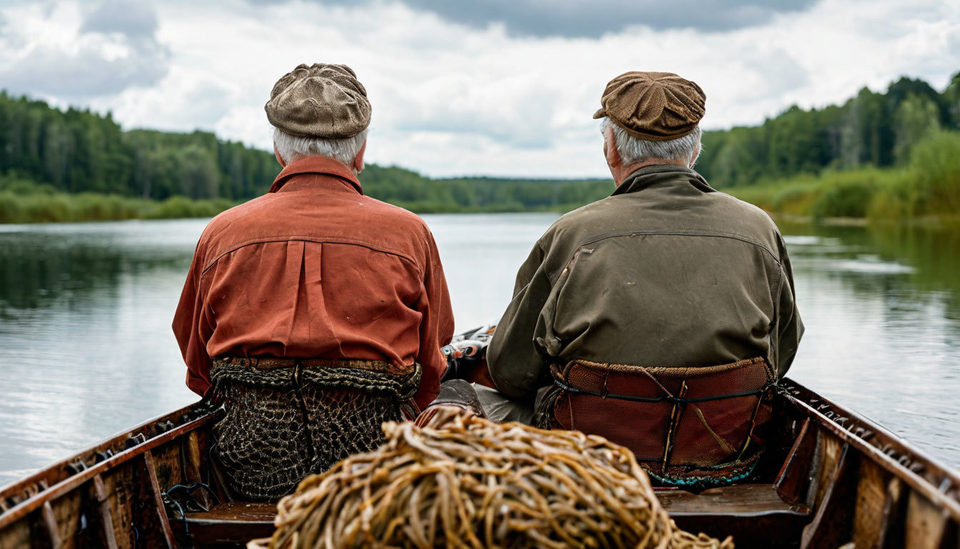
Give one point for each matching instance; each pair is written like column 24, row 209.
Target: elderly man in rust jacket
column 314, row 313
column 659, row 316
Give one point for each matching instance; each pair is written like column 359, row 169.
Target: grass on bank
column 63, row 207
column 23, row 201
column 927, row 188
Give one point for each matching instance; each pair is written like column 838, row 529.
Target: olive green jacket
column 664, row 272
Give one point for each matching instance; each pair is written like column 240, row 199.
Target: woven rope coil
column 462, row 481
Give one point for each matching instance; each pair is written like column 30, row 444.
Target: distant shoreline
column 92, row 207
column 922, row 193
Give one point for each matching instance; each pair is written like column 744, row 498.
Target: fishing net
column 462, row 481
column 286, row 423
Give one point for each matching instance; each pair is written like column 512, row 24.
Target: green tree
column 951, row 102
column 916, row 117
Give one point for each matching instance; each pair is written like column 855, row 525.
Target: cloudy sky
column 494, row 87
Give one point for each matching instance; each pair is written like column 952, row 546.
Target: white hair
column 632, row 149
column 292, row 148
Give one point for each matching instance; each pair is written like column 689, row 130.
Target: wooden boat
column 830, row 478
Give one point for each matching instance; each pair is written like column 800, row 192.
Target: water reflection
column 86, row 349
column 65, row 265
column 883, row 330
column 85, row 344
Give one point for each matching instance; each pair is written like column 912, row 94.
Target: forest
column 886, row 155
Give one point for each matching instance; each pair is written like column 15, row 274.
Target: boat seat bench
column 229, row 523
column 749, row 512
column 754, row 514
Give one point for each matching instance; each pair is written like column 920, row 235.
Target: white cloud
column 453, row 99
column 57, row 51
column 182, row 101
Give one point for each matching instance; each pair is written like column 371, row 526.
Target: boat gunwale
column 876, row 453
column 874, row 443
column 72, row 482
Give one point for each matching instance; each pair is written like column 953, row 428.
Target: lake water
column 86, row 349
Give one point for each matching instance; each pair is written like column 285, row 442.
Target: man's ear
column 610, row 149
column 695, row 156
column 276, row 153
column 358, row 160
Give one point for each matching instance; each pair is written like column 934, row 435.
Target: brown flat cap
column 322, row 100
column 656, row 106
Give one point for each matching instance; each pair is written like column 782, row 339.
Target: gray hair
column 292, row 148
column 632, row 149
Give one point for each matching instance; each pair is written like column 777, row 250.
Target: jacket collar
column 649, row 175
column 317, row 165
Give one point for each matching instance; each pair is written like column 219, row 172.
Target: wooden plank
column 158, row 500
column 827, row 458
column 192, row 464
column 65, row 513
column 739, row 499
column 832, row 523
column 232, row 522
column 793, row 480
column 891, row 525
column 50, row 525
column 871, row 499
column 103, row 510
column 237, row 512
column 754, row 514
column 127, row 498
column 191, row 458
column 16, row 535
column 925, row 524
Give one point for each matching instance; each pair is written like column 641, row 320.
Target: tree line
column 77, row 151
column 871, row 129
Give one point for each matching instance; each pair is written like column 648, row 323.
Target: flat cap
column 322, row 100
column 656, row 106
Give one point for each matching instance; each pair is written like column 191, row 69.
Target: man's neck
column 621, row 173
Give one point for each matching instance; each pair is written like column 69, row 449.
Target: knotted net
column 462, row 481
column 283, row 424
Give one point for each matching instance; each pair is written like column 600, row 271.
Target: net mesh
column 285, row 423
column 463, row 481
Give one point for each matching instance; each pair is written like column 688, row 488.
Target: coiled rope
column 462, row 481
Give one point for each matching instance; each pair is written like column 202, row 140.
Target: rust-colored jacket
column 315, row 269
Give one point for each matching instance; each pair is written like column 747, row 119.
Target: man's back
column 666, row 272
column 317, row 270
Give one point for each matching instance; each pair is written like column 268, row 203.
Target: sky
column 466, row 87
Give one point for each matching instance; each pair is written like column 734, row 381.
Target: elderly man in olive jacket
column 665, row 272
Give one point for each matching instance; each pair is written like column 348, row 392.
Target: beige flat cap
column 322, row 100
column 656, row 106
